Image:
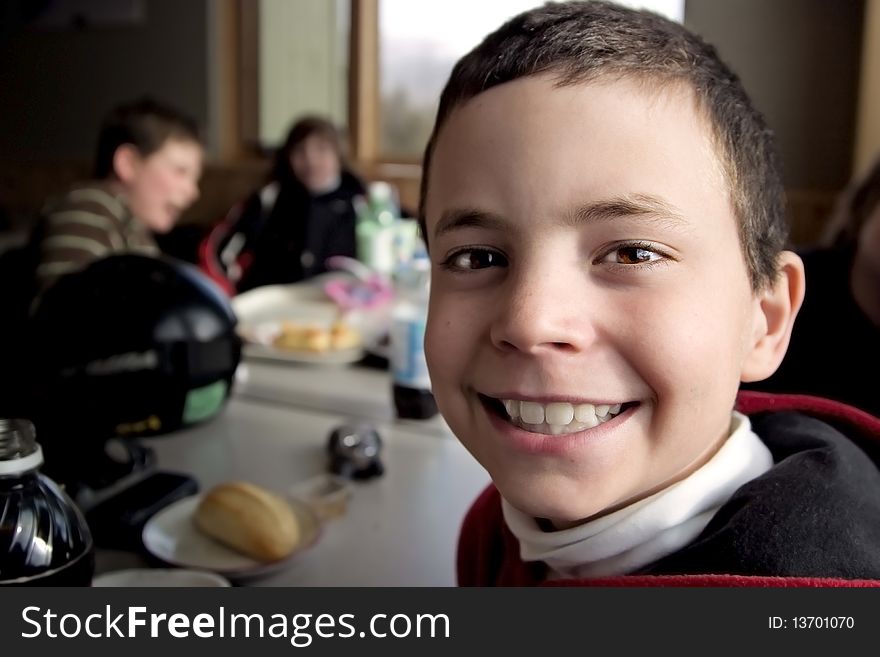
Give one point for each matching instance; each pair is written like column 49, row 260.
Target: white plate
column 171, row 536
column 260, row 312
column 159, row 577
column 303, row 301
column 261, row 309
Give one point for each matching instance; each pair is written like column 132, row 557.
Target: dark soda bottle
column 414, row 403
column 44, row 538
column 411, row 385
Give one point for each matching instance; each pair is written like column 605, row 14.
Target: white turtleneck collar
column 645, row 531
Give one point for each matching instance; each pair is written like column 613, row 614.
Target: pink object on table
column 367, row 290
column 358, row 294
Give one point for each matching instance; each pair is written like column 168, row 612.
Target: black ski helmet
column 131, row 345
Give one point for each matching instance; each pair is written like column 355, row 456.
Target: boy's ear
column 126, row 160
column 778, row 305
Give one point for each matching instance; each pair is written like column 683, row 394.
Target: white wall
column 303, row 49
column 799, row 60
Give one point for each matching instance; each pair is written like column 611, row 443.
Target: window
column 300, row 52
column 419, row 43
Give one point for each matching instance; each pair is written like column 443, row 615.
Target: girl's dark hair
column 298, row 133
column 577, row 42
column 146, row 124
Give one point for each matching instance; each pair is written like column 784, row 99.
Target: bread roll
column 302, row 337
column 248, row 519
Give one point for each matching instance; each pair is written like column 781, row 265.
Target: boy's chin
column 555, row 510
column 159, row 226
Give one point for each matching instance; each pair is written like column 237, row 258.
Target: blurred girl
column 285, row 231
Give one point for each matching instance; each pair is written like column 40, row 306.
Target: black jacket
column 811, row 520
column 816, row 513
column 292, row 240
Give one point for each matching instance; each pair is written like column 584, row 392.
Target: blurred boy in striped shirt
column 149, row 160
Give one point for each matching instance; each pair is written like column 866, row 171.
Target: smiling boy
column 147, row 169
column 604, row 213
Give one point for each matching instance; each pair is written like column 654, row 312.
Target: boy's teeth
column 531, row 412
column 557, row 413
column 558, row 418
column 585, row 413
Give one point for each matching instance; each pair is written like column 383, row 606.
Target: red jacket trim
column 479, row 537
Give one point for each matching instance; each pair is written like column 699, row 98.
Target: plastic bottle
column 44, row 538
column 411, row 384
column 376, row 220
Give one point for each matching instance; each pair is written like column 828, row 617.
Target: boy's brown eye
column 476, row 259
column 634, row 255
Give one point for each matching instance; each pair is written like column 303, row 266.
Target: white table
column 360, row 392
column 399, row 530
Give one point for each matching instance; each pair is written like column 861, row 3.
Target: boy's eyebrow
column 635, row 205
column 453, row 219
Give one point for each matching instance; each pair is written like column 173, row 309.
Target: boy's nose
column 543, row 314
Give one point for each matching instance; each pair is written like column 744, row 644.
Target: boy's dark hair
column 146, row 124
column 854, row 207
column 579, row 42
column 304, row 128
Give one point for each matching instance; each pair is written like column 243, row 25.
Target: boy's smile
column 554, row 418
column 591, row 313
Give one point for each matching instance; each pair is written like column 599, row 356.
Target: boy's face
column 585, row 256
column 160, row 186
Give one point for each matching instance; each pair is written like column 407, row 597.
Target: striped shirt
column 88, row 223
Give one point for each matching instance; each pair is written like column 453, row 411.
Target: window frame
column 364, row 109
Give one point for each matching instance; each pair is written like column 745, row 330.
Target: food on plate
column 301, row 336
column 250, row 520
column 297, row 336
column 342, row 336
